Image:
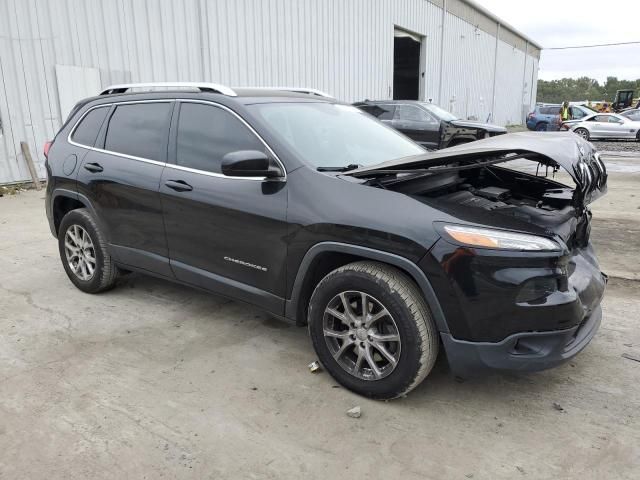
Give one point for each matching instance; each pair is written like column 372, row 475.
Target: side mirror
column 249, row 163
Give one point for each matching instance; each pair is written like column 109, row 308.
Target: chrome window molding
column 283, row 178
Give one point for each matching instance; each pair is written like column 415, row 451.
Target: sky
column 559, row 23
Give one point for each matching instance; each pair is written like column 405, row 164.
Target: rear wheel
column 83, row 251
column 583, row 132
column 541, row 127
column 372, row 330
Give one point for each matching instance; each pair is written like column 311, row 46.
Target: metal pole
column 524, row 74
column 533, row 73
column 444, row 14
column 495, row 71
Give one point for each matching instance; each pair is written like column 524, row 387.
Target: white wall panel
column 344, row 47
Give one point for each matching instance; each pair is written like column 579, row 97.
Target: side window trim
column 172, row 150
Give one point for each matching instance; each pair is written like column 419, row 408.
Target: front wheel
column 372, row 330
column 583, row 132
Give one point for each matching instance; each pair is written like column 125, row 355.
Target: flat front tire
column 372, row 329
column 83, row 251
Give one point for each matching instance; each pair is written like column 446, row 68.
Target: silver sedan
column 607, row 125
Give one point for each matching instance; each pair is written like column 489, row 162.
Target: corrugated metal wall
column 344, row 47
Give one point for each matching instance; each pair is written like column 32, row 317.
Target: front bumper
column 522, row 352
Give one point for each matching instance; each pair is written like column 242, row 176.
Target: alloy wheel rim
column 80, row 253
column 583, row 133
column 361, row 335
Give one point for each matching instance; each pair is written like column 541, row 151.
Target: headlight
column 489, row 238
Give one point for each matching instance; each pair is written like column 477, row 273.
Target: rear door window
column 207, row 133
column 412, row 113
column 140, row 130
column 577, row 113
column 87, row 130
column 383, row 112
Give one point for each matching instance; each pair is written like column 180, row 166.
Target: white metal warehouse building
column 54, row 52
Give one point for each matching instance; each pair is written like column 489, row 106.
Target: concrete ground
column 153, row 380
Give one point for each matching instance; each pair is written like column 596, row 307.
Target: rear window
column 140, row 130
column 549, row 110
column 87, row 130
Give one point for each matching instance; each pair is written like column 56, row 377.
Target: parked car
column 632, row 114
column 318, row 213
column 427, row 124
column 547, row 117
column 607, row 126
column 543, row 116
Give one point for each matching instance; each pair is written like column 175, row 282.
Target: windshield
column 441, row 113
column 331, row 135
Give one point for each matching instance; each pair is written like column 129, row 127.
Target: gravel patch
column 609, row 147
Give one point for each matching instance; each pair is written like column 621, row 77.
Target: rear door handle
column 94, row 167
column 178, row 185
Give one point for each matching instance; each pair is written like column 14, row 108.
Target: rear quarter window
column 87, row 130
column 140, row 130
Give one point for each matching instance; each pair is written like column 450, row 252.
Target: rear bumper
column 521, row 352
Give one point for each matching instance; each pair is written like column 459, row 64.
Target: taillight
column 47, row 147
column 530, row 116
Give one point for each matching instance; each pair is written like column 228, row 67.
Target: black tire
column 541, row 127
column 105, row 272
column 583, row 132
column 638, row 136
column 395, row 291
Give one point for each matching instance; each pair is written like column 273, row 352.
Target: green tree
column 583, row 88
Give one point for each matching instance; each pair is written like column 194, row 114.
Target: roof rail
column 203, row 87
column 308, row 91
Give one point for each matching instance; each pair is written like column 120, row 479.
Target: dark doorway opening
column 406, row 67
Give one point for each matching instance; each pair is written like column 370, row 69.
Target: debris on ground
column 354, row 412
column 314, row 367
column 11, row 190
column 558, row 407
column 629, row 356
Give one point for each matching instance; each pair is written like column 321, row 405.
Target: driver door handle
column 178, row 185
column 94, row 167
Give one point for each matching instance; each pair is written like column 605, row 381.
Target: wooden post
column 32, row 168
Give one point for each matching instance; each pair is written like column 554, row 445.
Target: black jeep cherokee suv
column 319, row 213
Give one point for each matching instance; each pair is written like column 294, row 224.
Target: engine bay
column 493, row 190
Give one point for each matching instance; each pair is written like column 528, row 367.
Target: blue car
column 543, row 116
column 546, row 117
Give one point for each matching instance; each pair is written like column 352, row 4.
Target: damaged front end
column 511, row 305
column 471, row 182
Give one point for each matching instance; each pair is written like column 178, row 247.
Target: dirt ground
column 154, row 380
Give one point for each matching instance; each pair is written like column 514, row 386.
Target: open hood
column 476, row 124
column 555, row 149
